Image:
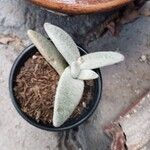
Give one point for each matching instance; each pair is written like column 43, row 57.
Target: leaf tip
column 121, row 57
column 88, row 75
column 29, row 32
column 95, row 76
column 117, row 57
column 56, row 123
column 46, row 24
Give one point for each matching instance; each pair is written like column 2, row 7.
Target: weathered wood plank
column 133, row 124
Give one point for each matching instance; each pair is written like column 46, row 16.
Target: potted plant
column 48, row 81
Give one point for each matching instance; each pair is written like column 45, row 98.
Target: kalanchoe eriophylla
column 71, row 83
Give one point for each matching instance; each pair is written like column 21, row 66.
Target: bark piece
column 134, row 124
column 119, row 138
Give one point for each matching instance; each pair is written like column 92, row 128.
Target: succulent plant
column 60, row 51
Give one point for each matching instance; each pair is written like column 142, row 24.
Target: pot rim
column 77, row 8
column 32, row 121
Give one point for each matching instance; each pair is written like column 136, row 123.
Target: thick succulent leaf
column 87, row 75
column 63, row 42
column 68, row 95
column 48, row 51
column 99, row 59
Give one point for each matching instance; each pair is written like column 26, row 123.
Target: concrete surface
column 122, row 83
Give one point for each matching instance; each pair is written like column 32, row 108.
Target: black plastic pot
column 71, row 123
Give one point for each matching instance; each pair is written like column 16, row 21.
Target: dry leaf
column 6, row 39
column 12, row 40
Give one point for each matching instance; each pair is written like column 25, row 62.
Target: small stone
column 34, row 57
column 38, row 115
column 84, row 104
column 137, row 91
column 142, row 58
column 128, row 116
column 134, row 110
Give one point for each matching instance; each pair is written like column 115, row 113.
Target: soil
column 35, row 90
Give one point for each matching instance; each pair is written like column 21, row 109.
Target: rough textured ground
column 122, row 83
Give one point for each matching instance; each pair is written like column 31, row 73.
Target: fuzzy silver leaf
column 87, row 75
column 99, row 59
column 63, row 42
column 68, row 95
column 48, row 51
